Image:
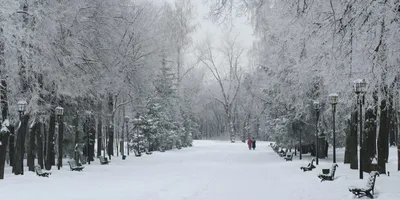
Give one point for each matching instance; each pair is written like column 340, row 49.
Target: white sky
column 206, row 26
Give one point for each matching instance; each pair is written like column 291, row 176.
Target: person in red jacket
column 249, row 143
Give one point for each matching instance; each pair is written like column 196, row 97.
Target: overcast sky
column 242, row 29
column 205, row 26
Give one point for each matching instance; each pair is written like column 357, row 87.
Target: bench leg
column 368, row 194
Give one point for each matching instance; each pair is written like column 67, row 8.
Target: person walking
column 253, row 145
column 249, row 143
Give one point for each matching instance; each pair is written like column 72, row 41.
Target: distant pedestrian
column 249, row 143
column 253, row 145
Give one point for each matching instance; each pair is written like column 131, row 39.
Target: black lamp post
column 317, row 108
column 333, row 99
column 21, row 110
column 360, row 88
column 127, row 131
column 60, row 112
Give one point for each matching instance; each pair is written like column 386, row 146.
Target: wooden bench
column 74, row 166
column 103, row 160
column 283, row 154
column 309, row 167
column 368, row 190
column 137, row 153
column 148, row 152
column 289, row 157
column 331, row 175
column 39, row 172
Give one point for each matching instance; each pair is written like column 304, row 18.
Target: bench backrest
column 333, row 170
column 372, row 179
column 72, row 163
column 103, row 159
column 38, row 169
column 311, row 163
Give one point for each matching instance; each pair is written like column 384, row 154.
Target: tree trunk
column 347, row 152
column 92, row 136
column 76, row 137
column 31, row 151
column 110, row 145
column 4, row 113
column 46, row 141
column 39, row 142
column 11, row 147
column 257, row 127
column 123, row 132
column 3, row 150
column 369, row 143
column 50, row 157
column 398, row 154
column 353, row 140
column 229, row 125
column 383, row 138
column 99, row 137
column 110, row 149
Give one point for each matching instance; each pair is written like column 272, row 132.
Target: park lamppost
column 333, row 99
column 360, row 88
column 21, row 108
column 60, row 112
column 317, row 108
column 127, row 131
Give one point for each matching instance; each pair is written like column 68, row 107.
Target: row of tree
column 308, row 49
column 102, row 61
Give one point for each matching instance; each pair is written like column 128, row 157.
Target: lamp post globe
column 316, row 105
column 59, row 111
column 21, row 107
column 333, row 98
column 360, row 86
column 127, row 119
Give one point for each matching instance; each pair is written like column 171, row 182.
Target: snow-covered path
column 209, row 170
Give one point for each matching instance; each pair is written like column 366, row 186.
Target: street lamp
column 360, row 88
column 20, row 142
column 127, row 139
column 317, row 108
column 333, row 99
column 21, row 108
column 60, row 112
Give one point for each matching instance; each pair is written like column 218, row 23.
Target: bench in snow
column 368, row 190
column 289, row 157
column 74, row 166
column 331, row 175
column 283, row 153
column 309, row 167
column 137, row 153
column 103, row 160
column 39, row 172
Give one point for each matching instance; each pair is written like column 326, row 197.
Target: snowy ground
column 209, row 170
